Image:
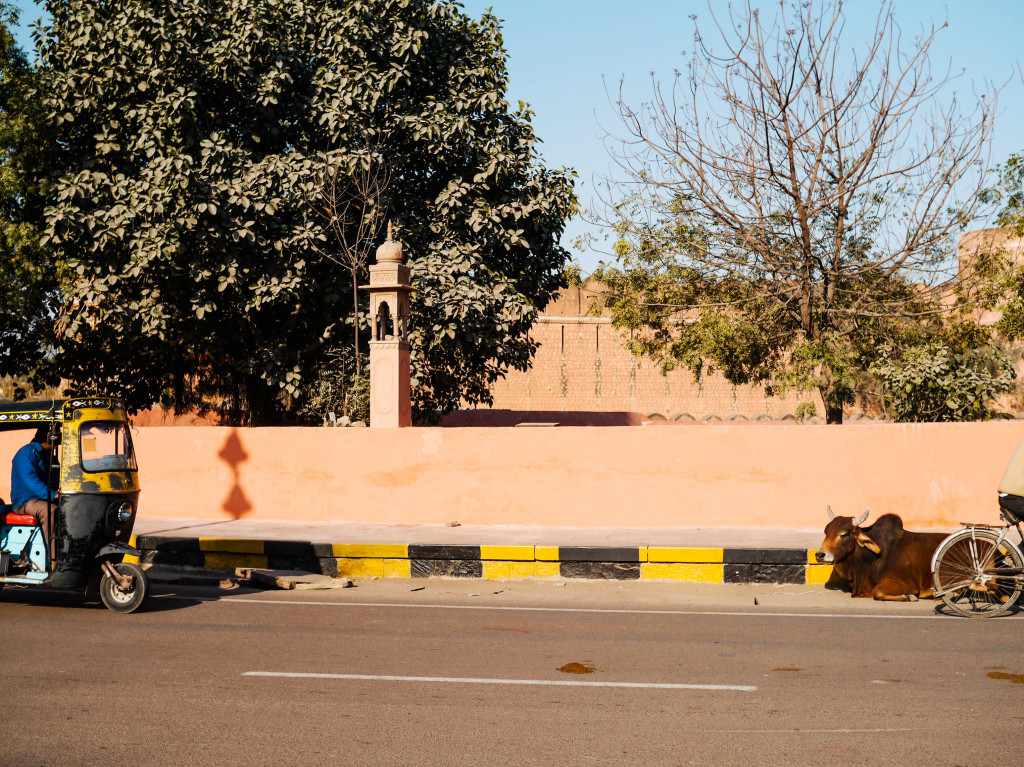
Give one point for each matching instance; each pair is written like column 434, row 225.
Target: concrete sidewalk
column 697, row 555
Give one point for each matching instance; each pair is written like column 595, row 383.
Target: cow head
column 842, row 537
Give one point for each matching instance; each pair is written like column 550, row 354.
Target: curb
column 220, row 556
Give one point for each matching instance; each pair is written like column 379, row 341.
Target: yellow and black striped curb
column 413, row 560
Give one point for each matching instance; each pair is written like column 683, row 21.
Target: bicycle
column 978, row 571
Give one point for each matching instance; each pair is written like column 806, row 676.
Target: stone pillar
column 389, row 290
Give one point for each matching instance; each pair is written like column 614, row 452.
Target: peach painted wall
column 934, row 475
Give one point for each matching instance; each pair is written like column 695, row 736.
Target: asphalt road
column 486, row 673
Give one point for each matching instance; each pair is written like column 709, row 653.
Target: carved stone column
column 389, row 290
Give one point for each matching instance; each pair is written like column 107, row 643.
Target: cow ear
column 863, row 540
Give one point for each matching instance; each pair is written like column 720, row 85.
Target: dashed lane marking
column 484, row 680
column 841, row 731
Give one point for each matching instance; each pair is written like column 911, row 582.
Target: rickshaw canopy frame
column 32, row 415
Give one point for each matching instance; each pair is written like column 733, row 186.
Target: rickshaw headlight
column 122, row 511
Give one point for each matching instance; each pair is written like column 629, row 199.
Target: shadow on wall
column 237, row 505
column 561, row 417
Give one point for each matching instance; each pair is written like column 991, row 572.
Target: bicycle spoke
column 950, row 588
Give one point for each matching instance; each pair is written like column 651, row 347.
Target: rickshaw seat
column 20, row 519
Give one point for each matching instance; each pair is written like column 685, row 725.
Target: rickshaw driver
column 30, row 475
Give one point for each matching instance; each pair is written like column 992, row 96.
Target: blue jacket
column 28, row 475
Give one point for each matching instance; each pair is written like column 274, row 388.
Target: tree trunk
column 833, row 404
column 355, row 318
column 263, row 404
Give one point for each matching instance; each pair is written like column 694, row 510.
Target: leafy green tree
column 1006, row 273
column 784, row 206
column 1009, row 192
column 951, row 368
column 943, row 379
column 29, row 291
column 192, row 137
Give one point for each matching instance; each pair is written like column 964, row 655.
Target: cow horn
column 831, row 514
column 860, row 520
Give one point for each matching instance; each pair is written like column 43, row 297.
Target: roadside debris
column 175, row 578
column 190, row 579
column 295, row 579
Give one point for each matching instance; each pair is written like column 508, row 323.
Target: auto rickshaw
column 95, row 491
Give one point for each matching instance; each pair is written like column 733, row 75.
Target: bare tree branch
column 350, row 200
column 801, row 178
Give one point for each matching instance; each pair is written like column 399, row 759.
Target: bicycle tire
column 967, row 577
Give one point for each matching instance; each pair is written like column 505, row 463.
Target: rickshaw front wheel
column 120, row 600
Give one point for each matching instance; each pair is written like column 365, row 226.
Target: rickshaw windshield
column 106, row 446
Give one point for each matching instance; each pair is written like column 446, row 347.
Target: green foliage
column 811, row 363
column 190, row 137
column 357, row 407
column 1006, row 275
column 573, row 275
column 1009, row 192
column 805, row 411
column 28, row 273
column 943, row 379
column 335, row 387
column 1011, row 321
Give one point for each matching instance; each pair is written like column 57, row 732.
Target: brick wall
column 583, row 364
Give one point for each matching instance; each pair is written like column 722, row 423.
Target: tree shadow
column 237, row 504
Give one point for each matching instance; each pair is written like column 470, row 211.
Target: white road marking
column 803, row 731
column 484, row 680
column 757, row 614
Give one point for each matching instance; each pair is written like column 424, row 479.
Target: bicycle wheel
column 968, row 573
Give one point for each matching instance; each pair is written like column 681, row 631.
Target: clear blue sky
column 561, row 53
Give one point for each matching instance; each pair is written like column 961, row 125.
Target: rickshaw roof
column 31, row 415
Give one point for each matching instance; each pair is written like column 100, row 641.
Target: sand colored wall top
column 980, row 240
column 933, row 475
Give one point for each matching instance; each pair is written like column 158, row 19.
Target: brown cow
column 882, row 561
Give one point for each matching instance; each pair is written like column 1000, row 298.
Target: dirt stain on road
column 578, row 668
column 1015, row 678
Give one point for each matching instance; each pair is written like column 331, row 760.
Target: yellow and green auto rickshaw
column 94, row 486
